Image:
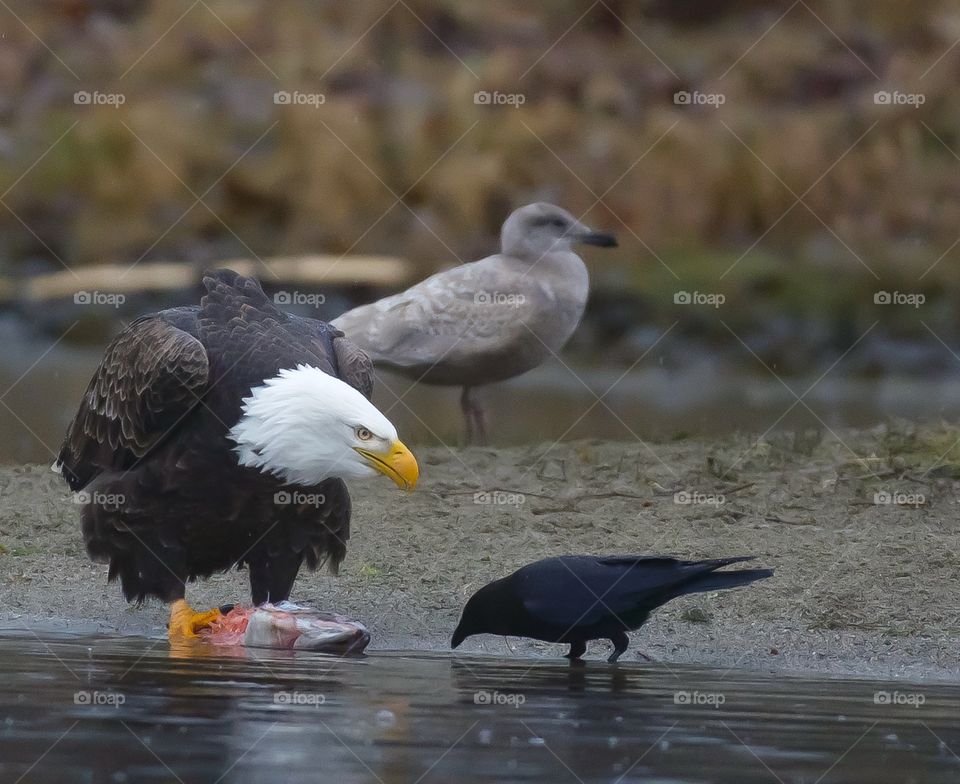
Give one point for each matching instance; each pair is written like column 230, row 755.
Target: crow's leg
column 577, row 649
column 620, row 642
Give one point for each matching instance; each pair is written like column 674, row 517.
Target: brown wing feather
column 151, row 375
column 354, row 366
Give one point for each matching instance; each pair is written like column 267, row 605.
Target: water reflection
column 130, row 709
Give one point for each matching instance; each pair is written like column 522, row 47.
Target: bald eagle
column 219, row 435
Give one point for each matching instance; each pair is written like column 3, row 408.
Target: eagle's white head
column 305, row 426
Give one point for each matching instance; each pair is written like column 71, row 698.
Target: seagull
column 488, row 320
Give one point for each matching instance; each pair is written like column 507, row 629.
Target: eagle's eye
column 363, row 434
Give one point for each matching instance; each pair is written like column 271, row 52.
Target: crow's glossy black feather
column 577, row 598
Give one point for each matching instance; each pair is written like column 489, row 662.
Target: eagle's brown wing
column 150, row 377
column 354, row 366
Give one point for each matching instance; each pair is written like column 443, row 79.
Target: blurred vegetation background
column 197, row 161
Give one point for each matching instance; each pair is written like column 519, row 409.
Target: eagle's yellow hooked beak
column 397, row 462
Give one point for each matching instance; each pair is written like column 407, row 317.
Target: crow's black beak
column 458, row 637
column 599, row 239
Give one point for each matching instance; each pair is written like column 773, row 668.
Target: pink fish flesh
column 288, row 626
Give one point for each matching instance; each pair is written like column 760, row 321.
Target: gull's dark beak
column 599, row 239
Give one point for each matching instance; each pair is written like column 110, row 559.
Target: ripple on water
column 128, row 709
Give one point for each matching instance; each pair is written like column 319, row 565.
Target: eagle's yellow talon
column 185, row 622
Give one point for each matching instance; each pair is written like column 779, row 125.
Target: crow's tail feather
column 716, row 581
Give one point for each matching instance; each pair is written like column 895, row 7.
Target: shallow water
column 43, row 382
column 92, row 709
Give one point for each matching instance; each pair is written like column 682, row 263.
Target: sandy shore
column 861, row 587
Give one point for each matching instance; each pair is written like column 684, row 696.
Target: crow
column 576, row 598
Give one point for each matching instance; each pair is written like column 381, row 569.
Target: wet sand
column 862, row 587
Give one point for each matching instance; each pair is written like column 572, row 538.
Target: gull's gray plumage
column 488, row 320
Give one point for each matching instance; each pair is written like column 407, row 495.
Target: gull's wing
column 474, row 309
